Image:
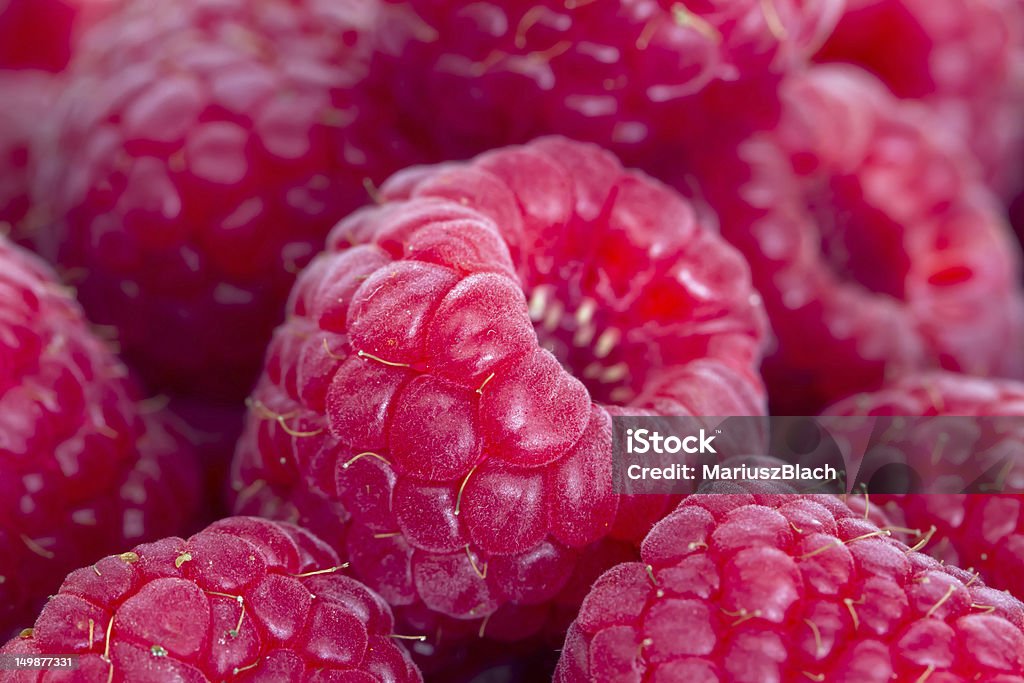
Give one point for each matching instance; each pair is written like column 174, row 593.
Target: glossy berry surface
column 246, row 599
column 876, row 247
column 963, row 59
column 983, row 532
column 438, row 404
column 630, row 76
column 85, row 468
column 754, row 587
column 202, row 152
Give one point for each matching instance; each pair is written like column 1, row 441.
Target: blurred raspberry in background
column 873, row 240
column 635, row 77
column 199, row 155
column 963, row 58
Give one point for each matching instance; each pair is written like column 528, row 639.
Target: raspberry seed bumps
column 85, row 468
column 748, row 588
column 246, row 599
column 438, row 404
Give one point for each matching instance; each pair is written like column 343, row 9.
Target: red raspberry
column 27, row 97
column 84, row 468
column 751, row 587
column 962, row 58
column 438, row 404
column 203, row 151
column 984, row 532
column 620, row 73
column 875, row 247
column 245, row 599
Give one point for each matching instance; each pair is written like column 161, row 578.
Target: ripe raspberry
column 984, row 531
column 438, row 404
column 203, row 151
column 623, row 74
column 755, row 587
column 27, row 96
column 84, row 468
column 245, row 599
column 875, row 247
column 963, row 58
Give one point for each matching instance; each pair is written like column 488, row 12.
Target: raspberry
column 27, row 95
column 84, row 467
column 245, row 599
column 750, row 587
column 984, row 531
column 961, row 58
column 626, row 75
column 876, row 248
column 438, row 404
column 203, row 151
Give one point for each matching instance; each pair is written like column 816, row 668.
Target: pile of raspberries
column 316, row 317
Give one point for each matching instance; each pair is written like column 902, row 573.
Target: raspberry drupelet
column 438, row 404
column 876, row 247
column 979, row 531
column 754, row 586
column 246, row 600
column 202, row 151
column 85, row 468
